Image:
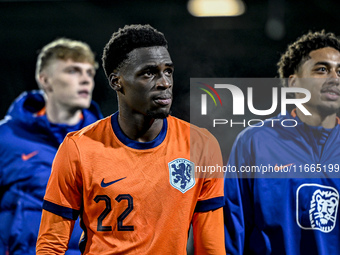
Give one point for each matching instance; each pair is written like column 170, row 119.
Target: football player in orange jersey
column 131, row 176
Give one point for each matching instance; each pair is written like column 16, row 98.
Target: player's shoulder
column 4, row 123
column 92, row 131
column 11, row 130
column 8, row 135
column 190, row 129
column 265, row 129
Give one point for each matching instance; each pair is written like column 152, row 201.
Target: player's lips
column 84, row 93
column 163, row 100
column 331, row 93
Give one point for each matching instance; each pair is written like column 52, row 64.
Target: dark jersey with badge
column 290, row 200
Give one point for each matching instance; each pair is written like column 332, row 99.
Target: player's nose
column 334, row 77
column 86, row 79
column 164, row 82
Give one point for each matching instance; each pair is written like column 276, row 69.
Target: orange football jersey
column 133, row 197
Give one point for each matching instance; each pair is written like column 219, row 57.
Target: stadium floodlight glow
column 216, row 8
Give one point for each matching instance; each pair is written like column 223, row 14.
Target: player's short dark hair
column 298, row 52
column 127, row 39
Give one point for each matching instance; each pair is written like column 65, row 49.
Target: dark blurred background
column 248, row 45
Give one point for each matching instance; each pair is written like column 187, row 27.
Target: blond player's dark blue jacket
column 28, row 144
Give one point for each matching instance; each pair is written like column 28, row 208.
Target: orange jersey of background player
column 136, row 198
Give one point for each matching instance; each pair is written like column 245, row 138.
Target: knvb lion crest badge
column 317, row 207
column 182, row 174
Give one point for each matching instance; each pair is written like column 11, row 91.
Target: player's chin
column 85, row 102
column 330, row 108
column 159, row 113
column 82, row 104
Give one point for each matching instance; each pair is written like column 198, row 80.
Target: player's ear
column 115, row 81
column 292, row 80
column 44, row 82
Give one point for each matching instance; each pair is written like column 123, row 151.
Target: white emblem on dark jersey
column 324, row 206
column 317, row 207
column 182, row 174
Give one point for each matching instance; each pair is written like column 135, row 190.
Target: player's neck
column 139, row 127
column 317, row 119
column 59, row 115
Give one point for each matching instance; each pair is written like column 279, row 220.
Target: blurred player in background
column 131, row 176
column 34, row 127
column 295, row 215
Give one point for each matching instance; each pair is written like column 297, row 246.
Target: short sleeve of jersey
column 63, row 193
column 212, row 193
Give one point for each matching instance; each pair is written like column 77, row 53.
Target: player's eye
column 91, row 73
column 169, row 71
column 72, row 70
column 148, row 73
column 321, row 69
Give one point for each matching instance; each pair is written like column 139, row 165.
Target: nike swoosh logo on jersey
column 104, row 185
column 26, row 157
column 278, row 168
